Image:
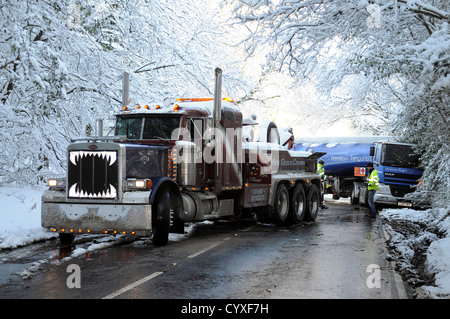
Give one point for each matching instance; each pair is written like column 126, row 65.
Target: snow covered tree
column 386, row 59
column 61, row 66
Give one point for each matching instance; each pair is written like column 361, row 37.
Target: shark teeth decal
column 75, row 192
column 75, row 156
column 93, row 174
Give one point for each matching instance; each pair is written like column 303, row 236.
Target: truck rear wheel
column 281, row 205
column 161, row 219
column 312, row 203
column 298, row 204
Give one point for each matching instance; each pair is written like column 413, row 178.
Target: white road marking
column 133, row 285
column 155, row 274
column 207, row 248
column 399, row 283
column 249, row 228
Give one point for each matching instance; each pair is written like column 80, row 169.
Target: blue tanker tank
column 341, row 158
column 396, row 163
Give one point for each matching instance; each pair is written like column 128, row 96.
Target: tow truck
column 169, row 165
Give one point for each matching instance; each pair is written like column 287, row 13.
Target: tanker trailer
column 397, row 165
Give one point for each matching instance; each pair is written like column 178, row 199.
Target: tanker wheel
column 161, row 219
column 298, row 204
column 312, row 203
column 281, row 205
column 354, row 199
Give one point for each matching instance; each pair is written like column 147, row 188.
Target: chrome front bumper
column 126, row 218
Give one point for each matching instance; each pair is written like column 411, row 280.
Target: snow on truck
column 187, row 162
column 345, row 162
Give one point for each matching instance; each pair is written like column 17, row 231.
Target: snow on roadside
column 20, row 217
column 438, row 262
column 438, row 256
column 421, row 240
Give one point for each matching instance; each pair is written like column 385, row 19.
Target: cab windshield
column 147, row 128
column 399, row 156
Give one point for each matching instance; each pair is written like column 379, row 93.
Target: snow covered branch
column 61, row 65
column 387, row 59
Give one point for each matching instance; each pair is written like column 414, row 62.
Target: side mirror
column 372, row 150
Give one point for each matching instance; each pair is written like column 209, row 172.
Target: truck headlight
column 138, row 184
column 384, row 189
column 56, row 183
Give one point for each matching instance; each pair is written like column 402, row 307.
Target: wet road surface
column 340, row 255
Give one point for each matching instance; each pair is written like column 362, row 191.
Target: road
column 340, row 255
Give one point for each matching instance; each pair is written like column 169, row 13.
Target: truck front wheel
column 354, row 197
column 312, row 203
column 66, row 239
column 161, row 219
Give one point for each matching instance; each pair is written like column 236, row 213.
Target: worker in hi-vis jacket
column 372, row 187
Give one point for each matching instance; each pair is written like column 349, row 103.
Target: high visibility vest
column 321, row 170
column 373, row 181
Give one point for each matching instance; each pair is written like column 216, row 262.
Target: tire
column 269, row 133
column 312, row 203
column 66, row 240
column 273, row 136
column 297, row 209
column 161, row 219
column 363, row 197
column 264, row 214
column 176, row 211
column 354, row 200
column 281, row 205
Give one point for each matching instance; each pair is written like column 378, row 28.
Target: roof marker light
column 203, row 99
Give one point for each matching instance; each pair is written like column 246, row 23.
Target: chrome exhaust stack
column 218, row 98
column 125, row 89
column 217, row 117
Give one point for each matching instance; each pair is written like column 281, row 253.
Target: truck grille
column 400, row 190
column 93, row 174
